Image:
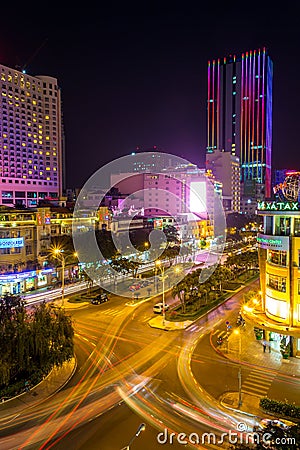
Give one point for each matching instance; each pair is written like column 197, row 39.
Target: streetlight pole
column 236, row 331
column 58, row 253
column 63, row 263
column 138, row 432
column 163, row 294
column 155, row 279
column 162, row 270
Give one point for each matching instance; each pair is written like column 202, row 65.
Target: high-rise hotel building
column 239, row 114
column 31, row 138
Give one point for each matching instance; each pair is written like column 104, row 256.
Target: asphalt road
column 121, row 357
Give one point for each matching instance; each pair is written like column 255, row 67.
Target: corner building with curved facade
column 279, row 263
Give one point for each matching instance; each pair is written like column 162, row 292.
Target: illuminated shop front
column 18, row 283
column 279, row 261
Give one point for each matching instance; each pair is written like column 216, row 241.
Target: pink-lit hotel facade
column 183, row 197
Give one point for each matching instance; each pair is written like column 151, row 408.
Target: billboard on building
column 198, row 197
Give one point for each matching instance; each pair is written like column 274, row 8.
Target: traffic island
column 250, row 403
column 157, row 322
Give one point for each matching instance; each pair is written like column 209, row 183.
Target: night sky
column 137, row 77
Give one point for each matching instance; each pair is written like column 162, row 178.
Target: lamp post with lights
column 138, row 432
column 59, row 254
column 237, row 332
column 161, row 267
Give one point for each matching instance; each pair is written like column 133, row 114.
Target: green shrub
column 277, row 407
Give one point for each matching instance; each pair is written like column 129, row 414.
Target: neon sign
column 290, row 187
column 269, row 241
column 278, row 206
column 12, row 243
column 273, row 242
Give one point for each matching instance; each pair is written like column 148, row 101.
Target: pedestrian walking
column 264, row 346
column 270, row 347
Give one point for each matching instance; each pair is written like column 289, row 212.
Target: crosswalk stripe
column 215, row 332
column 253, row 393
column 250, row 388
column 250, row 384
column 112, row 312
column 256, row 383
column 263, row 380
column 262, row 377
column 220, row 334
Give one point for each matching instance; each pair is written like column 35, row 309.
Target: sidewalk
column 51, row 384
column 250, row 351
column 245, row 348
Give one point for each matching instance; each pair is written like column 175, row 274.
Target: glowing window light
column 277, row 307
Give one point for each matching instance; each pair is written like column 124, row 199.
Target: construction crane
column 24, row 66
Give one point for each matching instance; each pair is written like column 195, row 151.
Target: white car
column 276, row 423
column 158, row 308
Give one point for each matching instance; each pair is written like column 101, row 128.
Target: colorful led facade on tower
column 239, row 112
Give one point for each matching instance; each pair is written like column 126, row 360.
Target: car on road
column 135, row 287
column 101, row 298
column 158, row 308
column 275, row 423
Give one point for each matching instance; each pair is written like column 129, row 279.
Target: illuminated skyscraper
column 239, row 114
column 31, row 138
